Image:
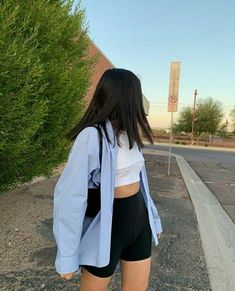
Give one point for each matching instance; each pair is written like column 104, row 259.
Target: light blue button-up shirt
column 82, row 240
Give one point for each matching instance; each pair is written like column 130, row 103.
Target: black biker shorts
column 131, row 237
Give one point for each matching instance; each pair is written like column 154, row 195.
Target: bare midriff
column 126, row 190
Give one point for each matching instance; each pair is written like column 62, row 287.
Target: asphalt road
column 215, row 167
column 195, row 154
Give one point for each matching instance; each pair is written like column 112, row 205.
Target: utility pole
column 193, row 117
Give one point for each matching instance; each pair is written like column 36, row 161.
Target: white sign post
column 173, row 100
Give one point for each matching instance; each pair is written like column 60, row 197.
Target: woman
column 122, row 232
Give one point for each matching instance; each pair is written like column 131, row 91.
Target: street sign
column 174, row 87
column 173, row 100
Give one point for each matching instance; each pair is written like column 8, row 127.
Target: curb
column 216, row 228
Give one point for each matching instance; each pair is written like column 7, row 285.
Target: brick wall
column 102, row 65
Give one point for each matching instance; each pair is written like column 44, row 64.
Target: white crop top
column 129, row 162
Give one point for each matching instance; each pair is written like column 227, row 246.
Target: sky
column 146, row 36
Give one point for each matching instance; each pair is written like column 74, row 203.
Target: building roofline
column 101, row 52
column 104, row 55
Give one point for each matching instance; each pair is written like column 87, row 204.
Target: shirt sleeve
column 156, row 217
column 70, row 199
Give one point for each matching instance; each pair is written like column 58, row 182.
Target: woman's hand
column 158, row 236
column 67, row 276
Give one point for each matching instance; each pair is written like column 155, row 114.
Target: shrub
column 44, row 76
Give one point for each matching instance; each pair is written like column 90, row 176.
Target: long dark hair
column 118, row 97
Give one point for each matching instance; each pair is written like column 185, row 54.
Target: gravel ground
column 28, row 250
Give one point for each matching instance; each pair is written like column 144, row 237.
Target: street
column 215, row 167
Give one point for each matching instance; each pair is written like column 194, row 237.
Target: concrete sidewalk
column 28, row 249
column 216, row 228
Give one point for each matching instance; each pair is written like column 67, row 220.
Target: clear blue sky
column 145, row 36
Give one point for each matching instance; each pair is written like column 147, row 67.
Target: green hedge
column 45, row 72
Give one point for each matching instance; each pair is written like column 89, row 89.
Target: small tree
column 44, row 75
column 223, row 130
column 232, row 115
column 184, row 123
column 209, row 114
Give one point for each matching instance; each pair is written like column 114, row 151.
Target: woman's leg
column 136, row 258
column 90, row 282
column 135, row 274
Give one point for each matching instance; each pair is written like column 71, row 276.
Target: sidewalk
column 217, row 230
column 28, row 249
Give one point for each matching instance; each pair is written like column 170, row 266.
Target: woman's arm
column 70, row 199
